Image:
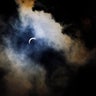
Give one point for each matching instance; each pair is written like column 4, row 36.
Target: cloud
column 50, row 31
column 26, row 71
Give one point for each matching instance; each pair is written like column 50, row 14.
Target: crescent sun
column 33, row 38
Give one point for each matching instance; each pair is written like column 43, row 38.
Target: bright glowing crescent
column 33, row 38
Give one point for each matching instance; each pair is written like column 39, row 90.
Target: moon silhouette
column 33, row 38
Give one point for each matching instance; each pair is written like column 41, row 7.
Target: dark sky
column 63, row 10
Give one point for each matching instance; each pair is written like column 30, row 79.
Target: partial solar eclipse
column 33, row 38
